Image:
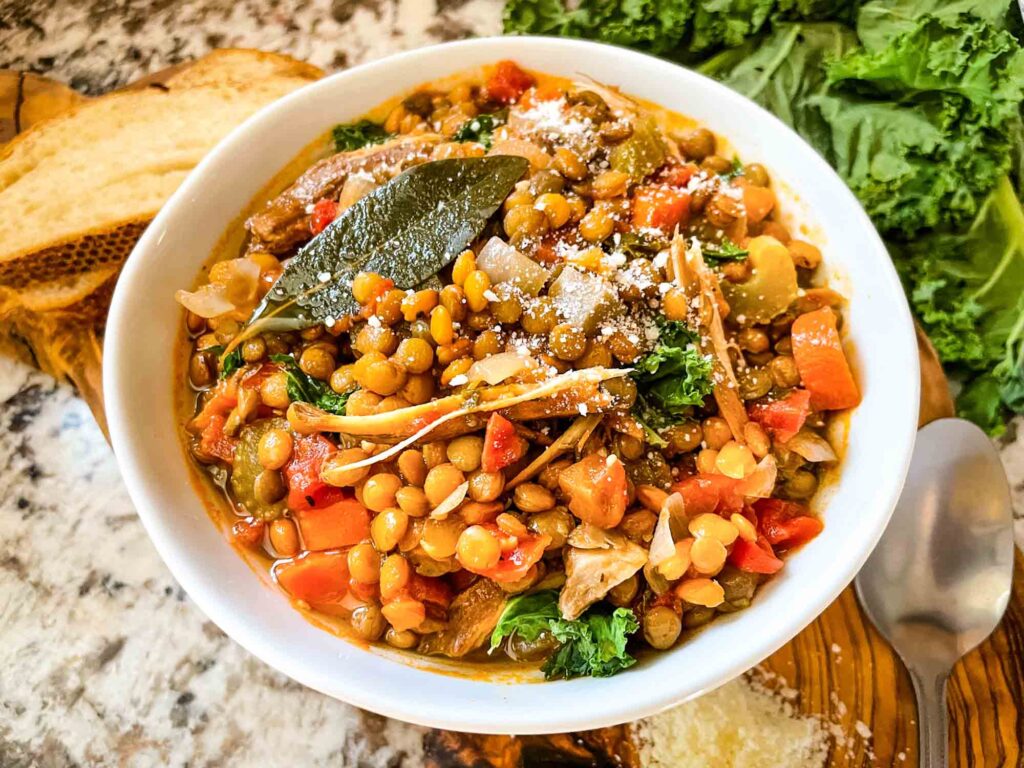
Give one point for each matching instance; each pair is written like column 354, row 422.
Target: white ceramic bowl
column 139, row 383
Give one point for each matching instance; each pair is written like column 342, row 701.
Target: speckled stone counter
column 103, row 659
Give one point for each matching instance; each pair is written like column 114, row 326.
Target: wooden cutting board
column 844, row 671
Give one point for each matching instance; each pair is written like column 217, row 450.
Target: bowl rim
column 581, row 704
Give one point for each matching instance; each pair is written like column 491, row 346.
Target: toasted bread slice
column 73, row 187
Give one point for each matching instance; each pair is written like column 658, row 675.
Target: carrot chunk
column 822, row 364
column 316, row 577
column 341, row 524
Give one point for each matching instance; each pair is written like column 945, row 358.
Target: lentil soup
column 517, row 369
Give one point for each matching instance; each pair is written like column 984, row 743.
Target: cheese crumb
column 740, row 725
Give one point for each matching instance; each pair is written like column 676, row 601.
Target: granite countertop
column 104, row 660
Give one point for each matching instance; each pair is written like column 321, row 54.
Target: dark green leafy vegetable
column 727, row 250
column 917, row 105
column 357, row 135
column 638, row 244
column 969, row 294
column 305, row 389
column 407, row 230
column 673, row 377
column 526, row 615
column 593, row 645
column 481, row 128
column 228, row 363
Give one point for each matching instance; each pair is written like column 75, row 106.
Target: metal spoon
column 939, row 580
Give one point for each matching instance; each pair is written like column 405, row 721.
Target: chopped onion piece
column 504, row 265
column 811, row 446
column 760, row 483
column 498, row 368
column 662, row 545
column 208, row 301
column 232, row 287
column 451, row 501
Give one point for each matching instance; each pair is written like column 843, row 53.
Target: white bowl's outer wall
column 138, row 381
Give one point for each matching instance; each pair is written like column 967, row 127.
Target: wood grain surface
column 844, row 671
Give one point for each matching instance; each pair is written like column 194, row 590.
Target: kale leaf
column 363, row 133
column 481, row 128
column 527, row 616
column 672, row 377
column 593, row 645
column 305, row 389
column 968, row 291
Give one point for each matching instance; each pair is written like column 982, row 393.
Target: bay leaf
column 407, row 229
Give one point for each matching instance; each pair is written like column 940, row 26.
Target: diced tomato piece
column 538, row 94
column 517, row 560
column 660, row 207
column 209, row 423
column 678, row 175
column 302, row 474
column 757, row 201
column 785, row 523
column 597, row 490
column 316, row 577
column 824, row 369
column 754, row 558
column 324, row 212
column 428, row 589
column 341, row 524
column 705, row 493
column 508, row 82
column 214, row 442
column 221, row 399
column 248, row 532
column 502, row 445
column 783, row 418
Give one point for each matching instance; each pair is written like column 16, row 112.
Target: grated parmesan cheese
column 740, row 725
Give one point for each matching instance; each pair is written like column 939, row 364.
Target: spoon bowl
column 939, row 580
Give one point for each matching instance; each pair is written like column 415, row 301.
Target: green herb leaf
column 357, row 135
column 638, row 244
column 735, row 171
column 230, row 362
column 592, row 645
column 481, row 128
column 305, row 389
column 727, row 250
column 527, row 616
column 673, row 377
column 407, row 229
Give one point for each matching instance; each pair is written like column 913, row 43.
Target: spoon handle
column 932, row 733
